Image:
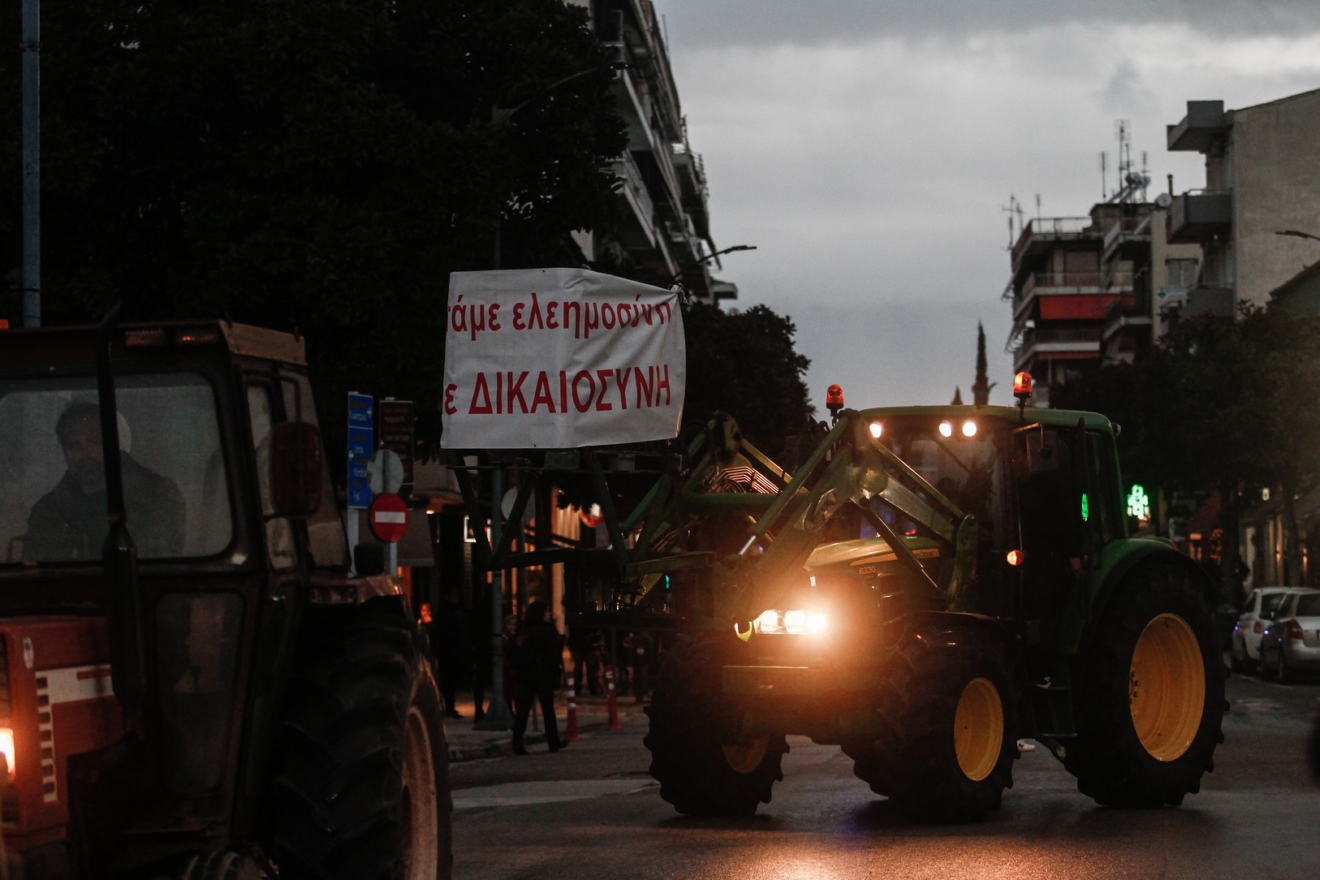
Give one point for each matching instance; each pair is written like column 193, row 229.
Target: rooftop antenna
column 1104, row 169
column 1145, row 175
column 1121, row 127
column 1037, row 207
column 1014, row 209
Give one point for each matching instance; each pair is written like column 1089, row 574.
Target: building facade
column 665, row 228
column 1261, row 188
column 1091, row 290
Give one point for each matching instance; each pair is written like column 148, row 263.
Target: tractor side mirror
column 296, row 466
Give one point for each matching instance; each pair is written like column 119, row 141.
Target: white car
column 1291, row 643
column 1256, row 615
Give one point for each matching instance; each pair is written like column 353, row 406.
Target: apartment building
column 1086, row 291
column 663, row 196
column 1262, row 188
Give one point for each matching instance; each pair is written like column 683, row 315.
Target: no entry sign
column 388, row 517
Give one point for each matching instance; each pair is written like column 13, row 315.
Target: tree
column 981, row 388
column 1221, row 404
column 743, row 363
column 317, row 165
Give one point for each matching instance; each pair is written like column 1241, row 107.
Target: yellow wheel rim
column 746, row 756
column 978, row 729
column 1166, row 688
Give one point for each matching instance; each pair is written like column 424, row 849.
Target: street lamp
column 1297, row 234
column 706, row 259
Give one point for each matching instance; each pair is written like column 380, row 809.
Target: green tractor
column 925, row 588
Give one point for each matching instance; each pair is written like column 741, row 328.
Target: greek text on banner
column 560, row 358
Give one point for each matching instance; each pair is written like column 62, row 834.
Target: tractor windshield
column 52, row 480
column 964, row 469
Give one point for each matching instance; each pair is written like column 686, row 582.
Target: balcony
column 1127, row 237
column 1204, row 123
column 1135, row 314
column 640, row 232
column 1052, row 284
column 1039, row 235
column 1195, row 216
column 1069, row 343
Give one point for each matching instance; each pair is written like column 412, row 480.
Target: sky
column 869, row 149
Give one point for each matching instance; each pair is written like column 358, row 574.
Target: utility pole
column 498, row 716
column 31, row 48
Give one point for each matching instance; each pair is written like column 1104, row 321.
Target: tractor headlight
column 793, row 622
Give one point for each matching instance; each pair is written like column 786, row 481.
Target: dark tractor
column 192, row 684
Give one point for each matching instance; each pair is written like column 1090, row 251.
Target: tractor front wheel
column 363, row 786
column 948, row 741
column 1151, row 701
column 700, row 773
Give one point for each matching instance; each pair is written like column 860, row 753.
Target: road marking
column 518, row 794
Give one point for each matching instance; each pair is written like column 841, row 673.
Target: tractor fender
column 1145, row 552
column 941, row 629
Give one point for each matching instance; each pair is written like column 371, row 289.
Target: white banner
column 560, row 358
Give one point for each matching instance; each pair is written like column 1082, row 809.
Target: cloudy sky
column 869, row 149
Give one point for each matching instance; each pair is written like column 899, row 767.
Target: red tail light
column 1294, row 629
column 1257, row 628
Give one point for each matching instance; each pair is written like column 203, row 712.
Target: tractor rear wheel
column 363, row 785
column 1151, row 698
column 700, row 773
column 948, row 740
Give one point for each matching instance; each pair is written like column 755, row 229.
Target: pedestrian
column 454, row 648
column 538, row 655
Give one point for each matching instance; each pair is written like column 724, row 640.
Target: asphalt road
column 592, row 811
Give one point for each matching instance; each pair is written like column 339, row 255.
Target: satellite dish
column 1163, row 201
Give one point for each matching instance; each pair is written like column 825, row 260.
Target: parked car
column 1290, row 644
column 1257, row 612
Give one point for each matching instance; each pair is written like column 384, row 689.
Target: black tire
column 688, row 758
column 1143, row 740
column 362, row 791
column 936, row 758
column 1249, row 666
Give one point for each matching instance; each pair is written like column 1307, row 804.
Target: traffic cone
column 572, row 712
column 611, row 700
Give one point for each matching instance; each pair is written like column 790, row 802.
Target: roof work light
column 834, row 400
column 1023, row 386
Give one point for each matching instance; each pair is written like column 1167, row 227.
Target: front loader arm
column 859, row 469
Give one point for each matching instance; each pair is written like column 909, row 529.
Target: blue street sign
column 361, row 446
